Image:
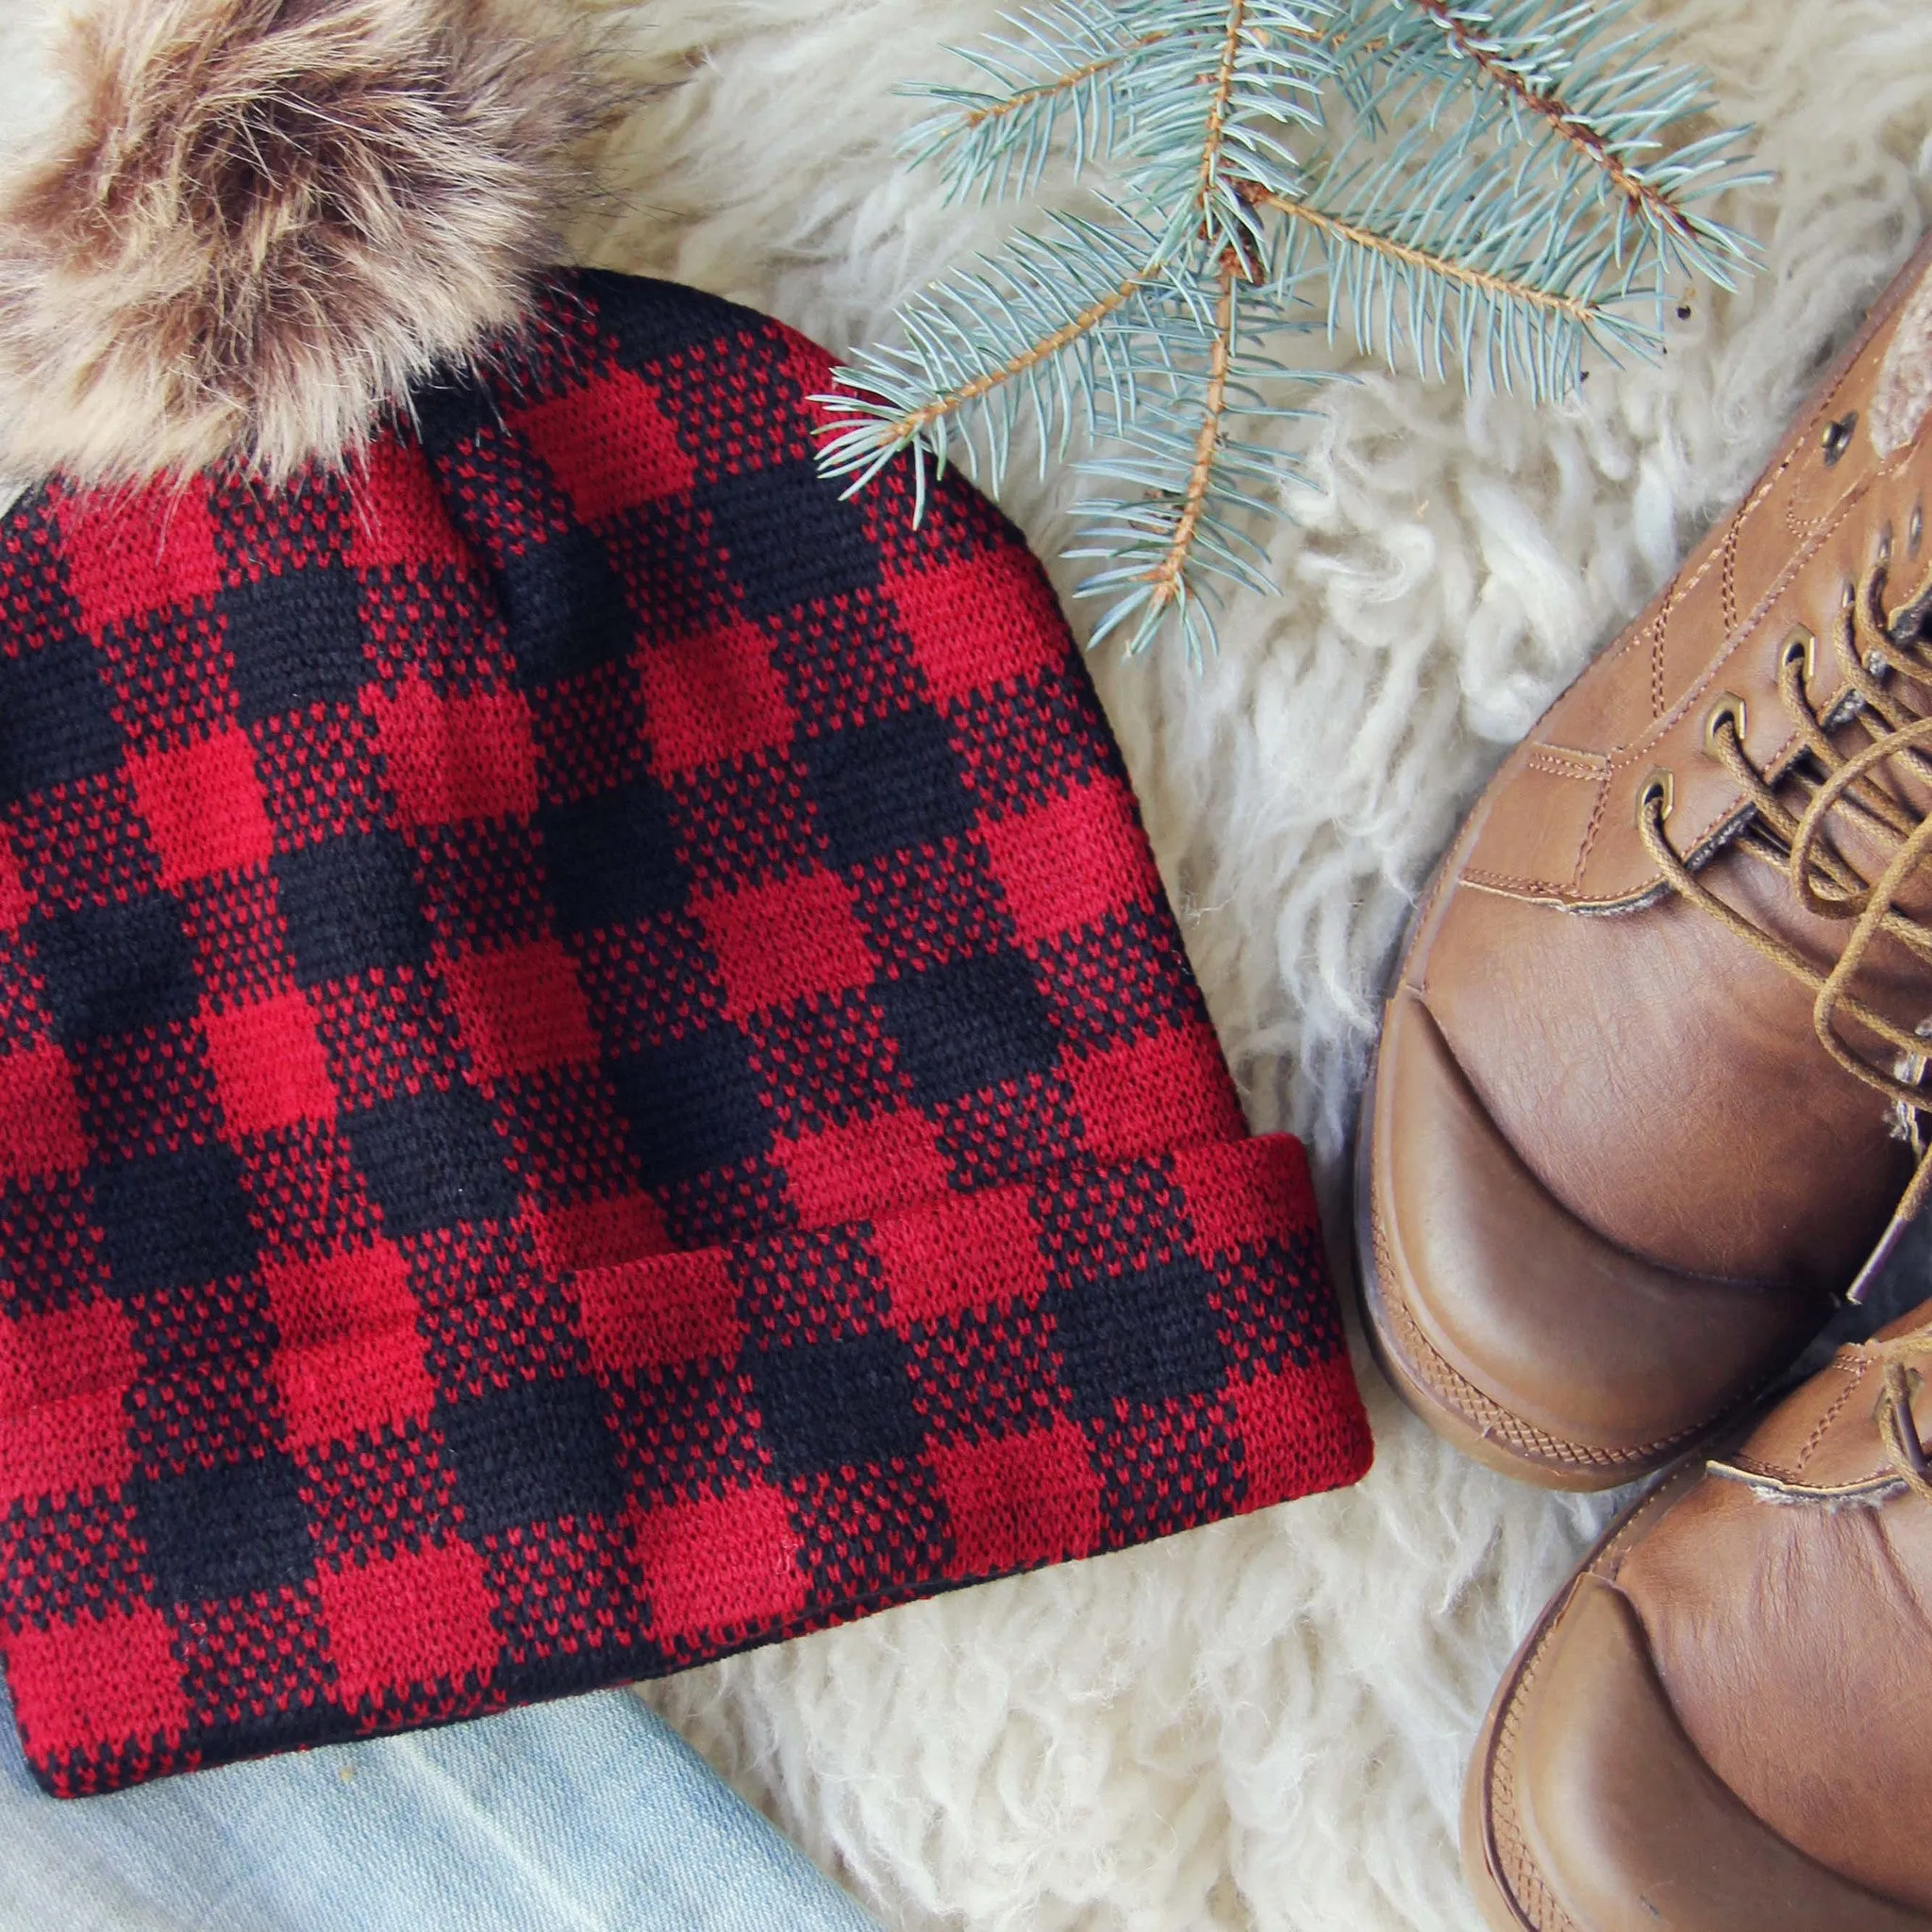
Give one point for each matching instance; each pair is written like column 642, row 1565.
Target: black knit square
column 55, row 724
column 967, row 1024
column 431, row 1159
column 612, row 857
column 1138, row 1338
column 450, row 409
column 647, row 328
column 296, row 639
column 174, row 1220
column 225, row 1531
column 351, row 902
column 836, row 1405
column 884, row 786
column 788, row 536
column 692, row 1103
column 564, row 606
column 116, row 969
column 530, row 1453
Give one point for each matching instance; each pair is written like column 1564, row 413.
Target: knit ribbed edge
column 425, row 1634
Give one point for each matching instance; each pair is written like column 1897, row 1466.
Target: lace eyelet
column 1836, row 437
column 1660, row 787
column 1882, row 556
column 1800, row 647
column 1915, row 529
column 1728, row 708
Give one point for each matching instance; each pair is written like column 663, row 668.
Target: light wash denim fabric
column 582, row 1816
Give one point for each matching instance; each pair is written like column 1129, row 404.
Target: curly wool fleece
column 1261, row 1724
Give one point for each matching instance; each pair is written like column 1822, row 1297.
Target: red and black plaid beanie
column 593, row 1071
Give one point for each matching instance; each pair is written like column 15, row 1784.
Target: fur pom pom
column 268, row 217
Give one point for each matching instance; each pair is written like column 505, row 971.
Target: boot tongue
column 1824, row 1444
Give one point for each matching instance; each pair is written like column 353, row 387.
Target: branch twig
column 1166, row 576
column 1061, row 84
column 1217, row 105
column 1574, row 306
column 1580, row 135
column 902, row 429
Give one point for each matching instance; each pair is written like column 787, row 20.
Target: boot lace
column 1888, row 696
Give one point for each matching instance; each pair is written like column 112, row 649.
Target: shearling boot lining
column 1903, row 395
column 270, row 216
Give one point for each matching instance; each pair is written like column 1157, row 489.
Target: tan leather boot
column 1720, row 1724
column 1646, row 1097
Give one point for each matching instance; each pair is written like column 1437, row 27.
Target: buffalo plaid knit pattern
column 593, row 1071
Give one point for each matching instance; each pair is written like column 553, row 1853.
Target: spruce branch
column 1170, row 573
column 1055, row 69
column 902, row 428
column 1458, row 23
column 1201, row 489
column 1483, row 189
column 1216, row 107
column 1214, row 136
column 1601, row 93
column 1429, row 247
column 1039, row 93
column 1492, row 287
column 1064, row 317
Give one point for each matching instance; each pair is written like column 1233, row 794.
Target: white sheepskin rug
column 1261, row 1724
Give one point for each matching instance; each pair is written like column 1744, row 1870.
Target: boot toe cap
column 1588, row 1809
column 1539, row 1345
